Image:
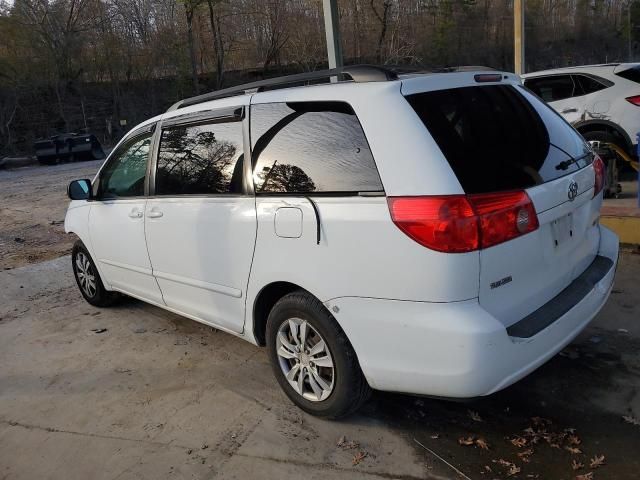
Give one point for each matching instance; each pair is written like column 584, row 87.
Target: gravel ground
column 33, row 202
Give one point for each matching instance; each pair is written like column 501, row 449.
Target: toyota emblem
column 573, row 191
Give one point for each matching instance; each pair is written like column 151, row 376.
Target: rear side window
column 551, row 89
column 494, row 138
column 200, row 160
column 306, row 147
column 589, row 84
column 632, row 74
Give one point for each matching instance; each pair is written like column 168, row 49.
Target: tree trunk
column 190, row 11
column 218, row 45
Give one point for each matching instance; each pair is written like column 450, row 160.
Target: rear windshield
column 632, row 74
column 499, row 137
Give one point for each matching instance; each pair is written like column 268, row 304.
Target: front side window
column 551, row 89
column 200, row 160
column 124, row 176
column 306, row 147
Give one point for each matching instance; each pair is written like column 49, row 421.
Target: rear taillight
column 503, row 216
column 464, row 223
column 600, row 171
column 635, row 100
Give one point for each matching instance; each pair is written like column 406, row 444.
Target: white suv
column 601, row 101
column 433, row 234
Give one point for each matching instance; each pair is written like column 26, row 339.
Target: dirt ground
column 135, row 392
column 33, row 202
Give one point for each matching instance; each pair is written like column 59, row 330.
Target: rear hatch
column 499, row 137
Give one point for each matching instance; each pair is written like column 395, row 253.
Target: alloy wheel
column 86, row 275
column 305, row 359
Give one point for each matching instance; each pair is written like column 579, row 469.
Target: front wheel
column 312, row 358
column 88, row 278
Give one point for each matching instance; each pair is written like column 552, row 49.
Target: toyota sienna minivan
column 434, row 234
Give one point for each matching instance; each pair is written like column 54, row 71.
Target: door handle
column 569, row 110
column 135, row 213
column 154, row 214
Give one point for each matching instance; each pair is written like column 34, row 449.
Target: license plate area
column 562, row 229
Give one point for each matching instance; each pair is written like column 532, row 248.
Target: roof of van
column 352, row 73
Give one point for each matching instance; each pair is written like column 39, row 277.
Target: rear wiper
column 565, row 164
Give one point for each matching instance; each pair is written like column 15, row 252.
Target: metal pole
column 332, row 32
column 629, row 28
column 518, row 36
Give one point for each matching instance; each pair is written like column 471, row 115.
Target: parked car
column 433, row 234
column 68, row 147
column 601, row 101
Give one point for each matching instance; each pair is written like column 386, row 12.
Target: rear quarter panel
column 361, row 252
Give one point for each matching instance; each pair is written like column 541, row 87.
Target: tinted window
column 632, row 74
column 551, row 89
column 588, row 84
column 310, row 147
column 200, row 159
column 124, row 175
column 494, row 139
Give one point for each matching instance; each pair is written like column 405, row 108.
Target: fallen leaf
column 488, row 469
column 513, row 470
column 350, row 445
column 586, row 476
column 519, row 441
column 573, row 440
column 359, row 457
column 482, row 443
column 435, row 437
column 525, row 454
column 475, row 416
column 570, row 430
column 597, row 461
column 576, row 465
column 573, row 450
column 538, row 421
column 631, row 420
column 466, row 441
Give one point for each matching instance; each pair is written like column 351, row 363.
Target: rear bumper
column 458, row 349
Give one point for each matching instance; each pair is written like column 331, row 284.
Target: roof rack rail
column 357, row 73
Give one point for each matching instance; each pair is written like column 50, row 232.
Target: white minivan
column 434, row 234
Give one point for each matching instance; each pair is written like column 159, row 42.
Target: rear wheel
column 88, row 278
column 599, row 139
column 312, row 358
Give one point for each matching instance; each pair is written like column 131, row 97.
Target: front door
column 116, row 221
column 200, row 226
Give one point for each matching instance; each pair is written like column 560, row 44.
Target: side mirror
column 79, row 190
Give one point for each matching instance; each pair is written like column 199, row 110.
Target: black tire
column 350, row 388
column 97, row 296
column 604, row 137
column 611, row 180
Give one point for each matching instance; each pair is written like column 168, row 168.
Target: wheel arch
column 264, row 302
column 606, row 126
